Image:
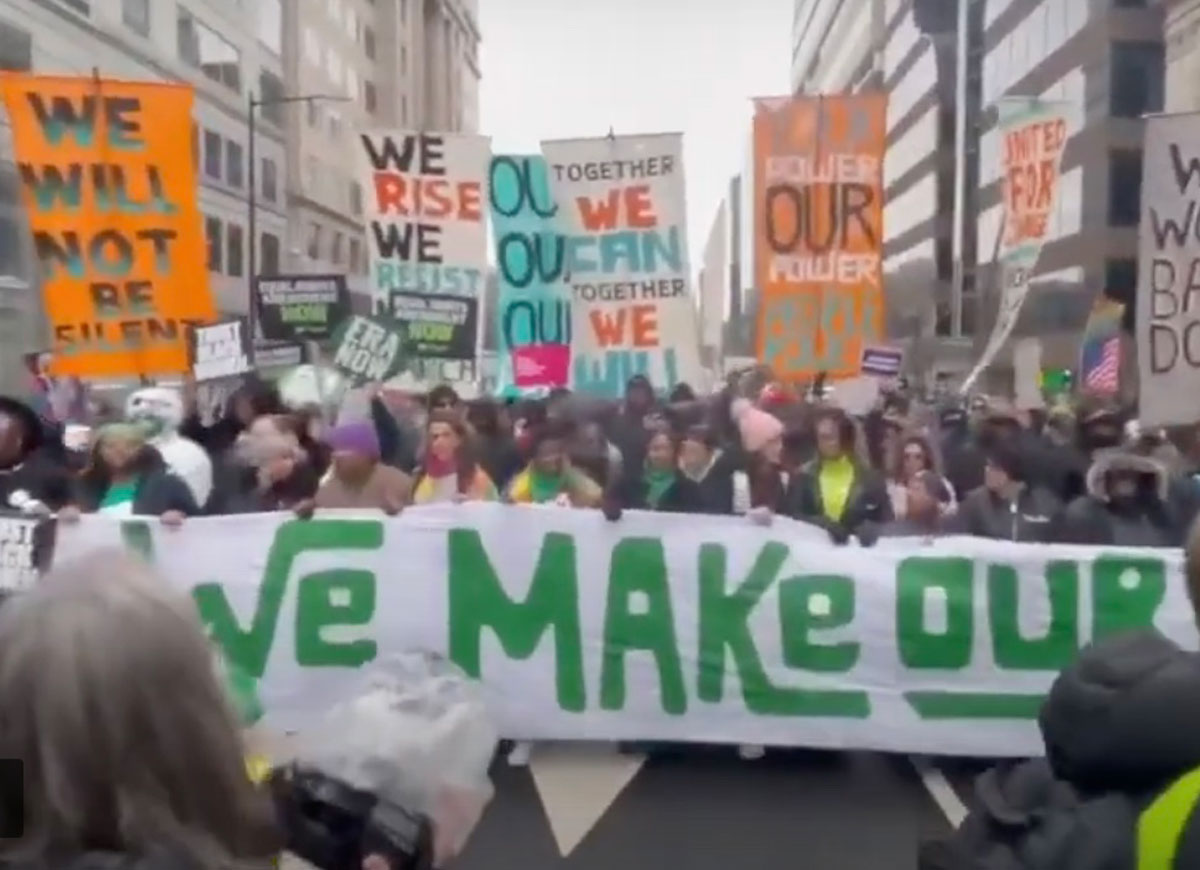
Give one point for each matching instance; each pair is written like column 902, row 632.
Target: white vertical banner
column 622, row 211
column 1033, row 134
column 425, row 201
column 1168, row 299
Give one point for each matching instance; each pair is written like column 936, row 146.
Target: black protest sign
column 26, row 549
column 436, row 326
column 278, row 354
column 307, row 307
column 369, row 349
column 219, row 350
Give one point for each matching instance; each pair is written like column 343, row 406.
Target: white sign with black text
column 221, row 350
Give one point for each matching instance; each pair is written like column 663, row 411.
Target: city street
column 710, row 809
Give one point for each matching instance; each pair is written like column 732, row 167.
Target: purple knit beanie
column 354, row 438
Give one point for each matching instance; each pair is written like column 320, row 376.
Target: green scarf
column 545, row 487
column 657, row 482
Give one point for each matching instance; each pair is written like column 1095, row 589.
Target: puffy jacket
column 1033, row 518
column 1151, row 520
column 1120, row 725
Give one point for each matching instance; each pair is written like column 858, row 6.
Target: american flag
column 1103, row 375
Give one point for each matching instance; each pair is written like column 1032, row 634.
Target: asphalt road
column 709, row 809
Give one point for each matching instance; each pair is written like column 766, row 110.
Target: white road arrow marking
column 577, row 784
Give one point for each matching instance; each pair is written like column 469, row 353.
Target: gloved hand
column 839, row 534
column 611, row 508
column 868, row 534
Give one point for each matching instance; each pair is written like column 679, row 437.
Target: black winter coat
column 1120, row 725
column 1150, row 520
column 41, row 477
column 682, row 497
column 867, row 505
column 158, row 491
column 1034, row 518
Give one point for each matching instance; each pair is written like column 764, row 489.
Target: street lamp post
column 253, row 106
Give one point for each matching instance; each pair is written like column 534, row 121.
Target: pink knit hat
column 757, row 427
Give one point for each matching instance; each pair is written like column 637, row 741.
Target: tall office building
column 1104, row 59
column 409, row 64
column 1183, row 54
column 835, row 44
column 226, row 50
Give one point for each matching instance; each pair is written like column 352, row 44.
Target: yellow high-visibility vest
column 1161, row 825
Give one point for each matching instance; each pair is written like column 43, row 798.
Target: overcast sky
column 557, row 69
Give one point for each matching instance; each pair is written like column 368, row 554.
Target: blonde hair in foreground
column 108, row 694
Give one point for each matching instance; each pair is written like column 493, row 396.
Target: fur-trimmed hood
column 1123, row 460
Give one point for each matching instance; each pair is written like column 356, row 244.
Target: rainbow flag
column 1100, row 349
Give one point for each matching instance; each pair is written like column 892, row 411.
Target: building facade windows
column 369, row 43
column 1124, row 188
column 235, row 253
column 212, row 154
column 314, row 241
column 1136, row 80
column 268, row 254
column 16, row 48
column 135, row 14
column 271, row 92
column 312, row 47
column 235, row 166
column 203, row 48
column 369, row 97
column 356, row 198
column 270, row 180
column 212, row 232
column 335, row 250
column 269, row 24
column 355, row 256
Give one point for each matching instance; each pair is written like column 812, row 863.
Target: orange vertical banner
column 818, row 228
column 108, row 182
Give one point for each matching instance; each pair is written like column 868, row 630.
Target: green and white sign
column 660, row 626
column 368, row 349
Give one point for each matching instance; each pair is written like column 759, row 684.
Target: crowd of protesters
column 1120, row 762
column 1076, row 474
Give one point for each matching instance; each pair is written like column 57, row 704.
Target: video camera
column 399, row 770
column 334, row 826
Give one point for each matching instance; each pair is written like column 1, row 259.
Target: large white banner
column 622, row 208
column 1168, row 309
column 425, row 204
column 1033, row 134
column 663, row 626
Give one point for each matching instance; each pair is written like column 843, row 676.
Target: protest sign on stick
column 1033, row 134
column 622, row 209
column 26, row 548
column 533, row 312
column 305, row 307
column 111, row 199
column 426, row 232
column 1168, row 316
column 369, row 349
column 818, row 228
column 437, row 327
column 219, row 350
